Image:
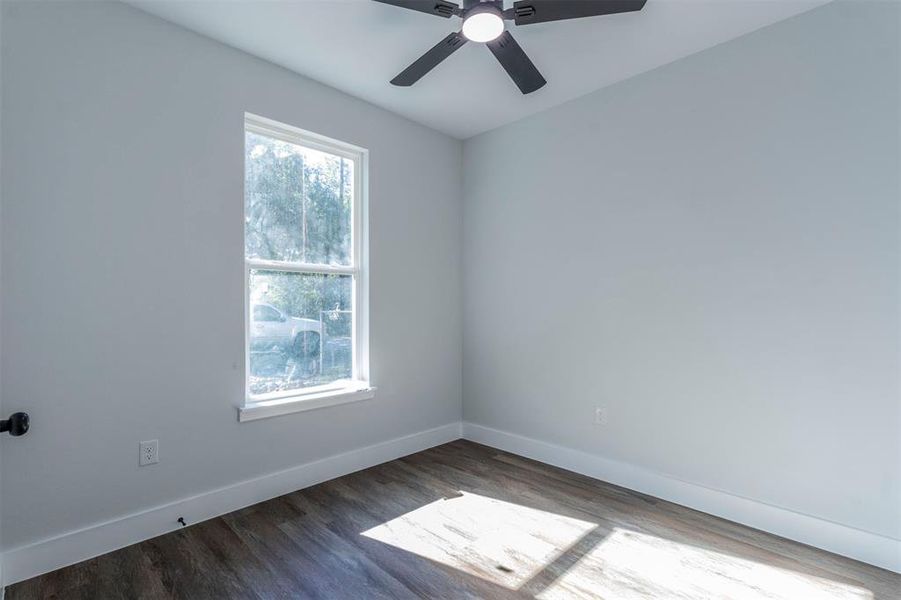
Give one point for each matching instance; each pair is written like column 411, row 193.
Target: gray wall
column 711, row 251
column 122, row 266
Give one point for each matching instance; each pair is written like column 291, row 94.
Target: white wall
column 122, row 276
column 711, row 251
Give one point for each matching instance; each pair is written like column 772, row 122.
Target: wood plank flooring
column 466, row 521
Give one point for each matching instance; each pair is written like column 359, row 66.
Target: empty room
column 439, row 299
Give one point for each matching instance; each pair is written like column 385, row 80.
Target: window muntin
column 303, row 263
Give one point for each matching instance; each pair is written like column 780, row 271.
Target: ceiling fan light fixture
column 483, row 25
column 484, row 21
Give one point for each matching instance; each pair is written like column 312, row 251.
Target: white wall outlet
column 150, row 453
column 600, row 415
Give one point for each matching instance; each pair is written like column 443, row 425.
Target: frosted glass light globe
column 483, row 27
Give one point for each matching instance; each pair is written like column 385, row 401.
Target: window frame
column 359, row 388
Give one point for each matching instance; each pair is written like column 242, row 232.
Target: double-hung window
column 304, row 266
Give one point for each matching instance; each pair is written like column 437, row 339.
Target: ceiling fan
column 484, row 22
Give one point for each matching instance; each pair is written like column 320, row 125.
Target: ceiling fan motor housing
column 470, row 4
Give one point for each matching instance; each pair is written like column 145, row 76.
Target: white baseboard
column 69, row 548
column 75, row 546
column 864, row 546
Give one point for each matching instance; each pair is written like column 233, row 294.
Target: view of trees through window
column 298, row 215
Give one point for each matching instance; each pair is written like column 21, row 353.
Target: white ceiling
column 357, row 46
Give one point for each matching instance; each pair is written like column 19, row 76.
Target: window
column 304, row 245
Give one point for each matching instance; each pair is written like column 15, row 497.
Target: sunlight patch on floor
column 501, row 542
column 552, row 556
column 630, row 565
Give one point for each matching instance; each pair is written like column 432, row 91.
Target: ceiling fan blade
column 527, row 12
column 440, row 8
column 430, row 60
column 516, row 63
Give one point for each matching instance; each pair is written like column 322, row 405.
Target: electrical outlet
column 150, row 453
column 600, row 415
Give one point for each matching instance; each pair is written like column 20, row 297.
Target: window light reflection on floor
column 499, row 541
column 628, row 564
column 549, row 555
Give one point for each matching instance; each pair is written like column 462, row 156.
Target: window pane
column 300, row 330
column 297, row 202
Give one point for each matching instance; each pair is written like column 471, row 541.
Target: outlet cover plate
column 149, row 453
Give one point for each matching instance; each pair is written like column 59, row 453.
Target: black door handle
column 16, row 425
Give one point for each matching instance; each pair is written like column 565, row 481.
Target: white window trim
column 359, row 388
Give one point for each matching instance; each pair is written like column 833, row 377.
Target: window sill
column 294, row 404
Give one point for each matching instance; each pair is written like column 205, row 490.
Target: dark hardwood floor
column 466, row 521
